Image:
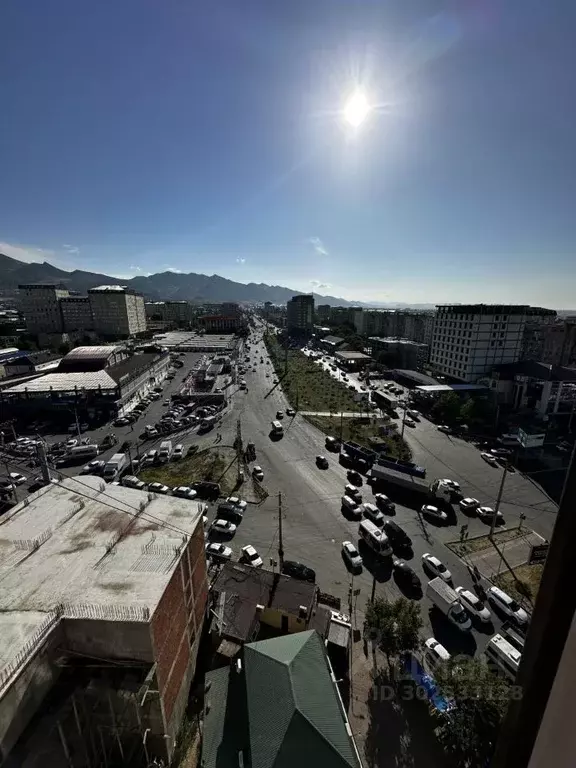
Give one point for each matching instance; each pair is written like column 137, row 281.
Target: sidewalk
column 336, row 414
column 516, row 552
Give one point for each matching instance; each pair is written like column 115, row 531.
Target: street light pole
column 498, row 500
column 280, row 539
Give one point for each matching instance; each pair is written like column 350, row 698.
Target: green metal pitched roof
column 293, row 710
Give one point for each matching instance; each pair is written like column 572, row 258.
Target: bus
column 504, row 656
column 277, row 428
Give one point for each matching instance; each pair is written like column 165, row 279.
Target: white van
column 374, row 538
column 504, row 656
column 352, row 506
column 371, row 512
column 507, row 605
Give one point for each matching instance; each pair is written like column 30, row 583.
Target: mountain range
column 169, row 285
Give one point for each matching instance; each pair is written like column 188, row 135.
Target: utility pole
column 498, row 500
column 12, row 483
column 404, row 418
column 280, row 539
column 43, row 461
column 341, row 424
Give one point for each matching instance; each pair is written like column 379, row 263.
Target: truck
column 82, row 452
column 165, row 451
column 115, row 466
column 418, row 485
column 408, row 467
column 446, row 600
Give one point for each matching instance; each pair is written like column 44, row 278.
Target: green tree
column 480, row 701
column 394, row 626
column 447, row 407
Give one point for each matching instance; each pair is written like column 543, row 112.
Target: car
column 406, row 574
column 178, row 452
column 237, row 502
column 489, row 459
column 223, row 526
column 258, row 473
column 436, row 566
column 384, row 503
column 95, row 467
column 431, row 511
column 507, row 605
column 396, row 534
column 451, row 483
column 251, row 557
column 206, row 489
column 184, row 492
column 351, row 555
column 487, row 513
column 409, row 422
column 298, row 571
column 322, row 462
column 158, row 488
column 14, row 478
column 155, row 396
column 434, row 653
column 165, row 402
column 354, row 477
column 121, row 421
column 353, row 492
column 218, row 551
column 332, row 444
column 474, row 605
column 129, row 481
column 290, row 412
column 469, row 504
column 72, row 443
column 444, row 428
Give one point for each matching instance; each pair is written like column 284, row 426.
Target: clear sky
column 208, row 136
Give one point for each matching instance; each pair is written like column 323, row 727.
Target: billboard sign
column 530, row 439
column 538, row 553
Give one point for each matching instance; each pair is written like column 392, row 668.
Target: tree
column 480, row 701
column 447, row 407
column 394, row 626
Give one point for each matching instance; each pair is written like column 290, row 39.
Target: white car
column 468, row 504
column 178, row 452
column 409, row 422
column 223, row 526
column 218, row 551
column 434, row 653
column 184, row 492
column 489, row 459
column 507, row 605
column 474, row 605
column 432, row 511
column 351, row 555
column 72, row 443
column 251, row 556
column 132, row 482
column 17, row 478
column 384, row 503
column 158, row 488
column 237, row 502
column 487, row 513
column 436, row 566
column 258, row 473
column 93, row 467
column 444, row 428
column 452, row 483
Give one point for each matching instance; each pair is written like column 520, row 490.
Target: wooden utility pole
column 280, row 539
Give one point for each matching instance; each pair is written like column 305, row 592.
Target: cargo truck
column 438, row 489
column 115, row 466
column 446, row 600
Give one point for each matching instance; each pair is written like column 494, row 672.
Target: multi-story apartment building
column 469, row 339
column 559, row 343
column 323, row 312
column 300, row 314
column 118, row 311
column 76, row 313
column 40, row 305
column 176, row 313
column 399, row 353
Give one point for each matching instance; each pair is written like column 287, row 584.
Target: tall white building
column 117, row 310
column 469, row 339
column 40, row 304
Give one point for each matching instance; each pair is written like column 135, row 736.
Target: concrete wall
column 109, row 639
column 20, row 700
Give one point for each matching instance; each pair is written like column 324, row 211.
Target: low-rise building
column 103, row 601
column 559, row 343
column 547, row 390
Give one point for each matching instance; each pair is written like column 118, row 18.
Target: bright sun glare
column 356, row 109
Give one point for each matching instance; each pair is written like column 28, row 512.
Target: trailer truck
column 438, row 489
column 446, row 600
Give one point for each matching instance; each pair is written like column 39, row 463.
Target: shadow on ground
column 401, row 729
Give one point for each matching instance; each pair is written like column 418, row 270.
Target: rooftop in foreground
column 83, row 548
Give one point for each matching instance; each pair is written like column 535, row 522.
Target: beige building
column 76, row 313
column 117, row 310
column 40, row 305
column 300, row 313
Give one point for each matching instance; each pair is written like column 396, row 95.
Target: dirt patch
column 524, row 583
column 479, row 543
column 218, row 466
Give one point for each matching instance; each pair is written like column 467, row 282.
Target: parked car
column 207, row 489
column 469, row 504
column 489, row 459
column 230, row 512
column 223, row 526
column 455, row 486
column 507, row 605
column 251, row 557
column 351, row 556
column 384, row 503
column 354, row 477
column 444, row 428
column 409, row 422
column 236, row 501
column 322, row 462
column 158, row 488
column 258, row 473
column 184, row 492
column 178, row 452
column 431, row 511
column 298, row 571
column 218, row 551
column 130, row 481
column 487, row 514
column 121, row 421
column 474, row 605
column 434, row 654
column 436, row 566
column 353, row 492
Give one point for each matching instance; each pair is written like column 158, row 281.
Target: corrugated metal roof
column 63, row 382
column 93, row 353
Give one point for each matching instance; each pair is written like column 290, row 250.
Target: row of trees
column 450, row 408
column 480, row 698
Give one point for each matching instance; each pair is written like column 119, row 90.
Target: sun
column 356, row 109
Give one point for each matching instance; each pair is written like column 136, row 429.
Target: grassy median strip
column 479, row 543
column 362, row 431
column 524, row 583
column 208, row 464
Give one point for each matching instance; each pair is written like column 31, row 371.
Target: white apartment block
column 76, row 313
column 40, row 305
column 469, row 339
column 118, row 311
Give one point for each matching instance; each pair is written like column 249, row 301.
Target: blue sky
column 144, row 135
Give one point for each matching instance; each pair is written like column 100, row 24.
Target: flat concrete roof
column 193, row 340
column 352, row 355
column 451, row 387
column 87, row 549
